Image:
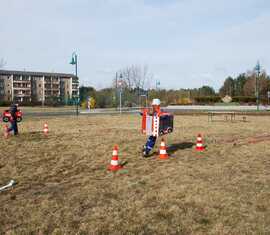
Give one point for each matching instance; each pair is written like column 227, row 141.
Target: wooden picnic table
column 228, row 116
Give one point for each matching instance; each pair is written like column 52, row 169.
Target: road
column 174, row 109
column 240, row 108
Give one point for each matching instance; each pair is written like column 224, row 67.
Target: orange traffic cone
column 162, row 150
column 114, row 166
column 46, row 129
column 199, row 144
column 6, row 132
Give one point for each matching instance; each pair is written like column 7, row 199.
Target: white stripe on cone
column 162, row 151
column 199, row 145
column 114, row 162
column 199, row 138
column 114, row 153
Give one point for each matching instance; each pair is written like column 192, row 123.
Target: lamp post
column 258, row 70
column 120, row 92
column 157, row 84
column 74, row 61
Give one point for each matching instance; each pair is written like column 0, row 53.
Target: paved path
column 217, row 108
column 173, row 109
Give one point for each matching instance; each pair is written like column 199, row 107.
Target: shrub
column 207, row 99
column 244, row 99
column 5, row 103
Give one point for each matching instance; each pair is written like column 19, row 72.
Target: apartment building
column 24, row 86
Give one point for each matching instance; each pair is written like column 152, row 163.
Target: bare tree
column 147, row 77
column 126, row 73
column 134, row 77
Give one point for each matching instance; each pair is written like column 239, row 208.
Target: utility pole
column 258, row 70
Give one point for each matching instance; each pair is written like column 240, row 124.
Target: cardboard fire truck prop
column 159, row 124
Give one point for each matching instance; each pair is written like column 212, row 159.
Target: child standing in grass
column 13, row 119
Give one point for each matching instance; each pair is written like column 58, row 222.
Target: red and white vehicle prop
column 159, row 124
column 7, row 116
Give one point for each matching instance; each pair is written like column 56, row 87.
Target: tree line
column 134, row 84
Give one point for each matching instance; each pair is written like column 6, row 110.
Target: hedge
column 207, row 99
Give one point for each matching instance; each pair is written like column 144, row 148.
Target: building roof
column 39, row 74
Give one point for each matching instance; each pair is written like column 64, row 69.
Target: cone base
column 163, row 156
column 200, row 148
column 114, row 168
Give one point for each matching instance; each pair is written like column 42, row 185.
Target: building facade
column 23, row 86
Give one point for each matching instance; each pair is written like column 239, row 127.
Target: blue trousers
column 13, row 127
column 150, row 143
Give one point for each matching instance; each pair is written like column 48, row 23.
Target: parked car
column 7, row 115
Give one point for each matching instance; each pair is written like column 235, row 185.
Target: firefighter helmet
column 156, row 102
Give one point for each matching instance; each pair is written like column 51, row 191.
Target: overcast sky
column 185, row 43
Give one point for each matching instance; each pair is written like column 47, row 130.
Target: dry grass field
column 63, row 186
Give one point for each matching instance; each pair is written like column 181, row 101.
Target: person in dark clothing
column 13, row 120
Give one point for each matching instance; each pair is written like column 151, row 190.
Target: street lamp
column 120, row 92
column 157, row 84
column 258, row 70
column 74, row 61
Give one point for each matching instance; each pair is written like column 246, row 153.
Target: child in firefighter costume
column 155, row 123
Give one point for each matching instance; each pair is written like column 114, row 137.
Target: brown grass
column 64, row 186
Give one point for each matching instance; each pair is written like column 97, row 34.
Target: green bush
column 207, row 99
column 244, row 99
column 5, row 103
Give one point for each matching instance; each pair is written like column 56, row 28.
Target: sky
column 184, row 43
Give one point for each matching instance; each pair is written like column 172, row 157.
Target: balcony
column 21, row 81
column 75, row 80
column 52, row 82
column 47, row 87
column 55, row 87
column 22, row 95
column 22, row 88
